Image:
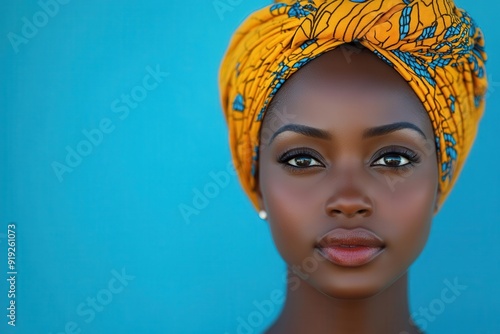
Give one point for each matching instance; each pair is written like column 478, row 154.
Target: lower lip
column 350, row 256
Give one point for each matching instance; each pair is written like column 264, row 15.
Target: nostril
column 362, row 212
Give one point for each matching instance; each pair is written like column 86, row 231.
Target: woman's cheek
column 409, row 213
column 291, row 224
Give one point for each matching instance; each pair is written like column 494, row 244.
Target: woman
column 351, row 156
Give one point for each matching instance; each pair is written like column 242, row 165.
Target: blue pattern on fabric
column 404, row 22
column 451, row 152
column 277, row 8
column 302, row 62
column 453, row 31
column 255, row 158
column 297, row 10
column 439, row 62
column 414, row 63
column 477, row 100
column 381, row 56
column 307, row 43
column 239, row 103
column 428, row 32
column 452, row 103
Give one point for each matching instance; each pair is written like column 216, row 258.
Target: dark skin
column 347, row 169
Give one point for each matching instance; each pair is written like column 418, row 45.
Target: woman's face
column 348, row 173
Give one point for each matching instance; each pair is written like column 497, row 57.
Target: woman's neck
column 307, row 310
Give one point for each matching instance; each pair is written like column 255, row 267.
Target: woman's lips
column 350, row 248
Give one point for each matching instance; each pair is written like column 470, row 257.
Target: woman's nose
column 349, row 207
column 349, row 197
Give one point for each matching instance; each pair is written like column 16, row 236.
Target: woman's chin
column 349, row 289
column 351, row 292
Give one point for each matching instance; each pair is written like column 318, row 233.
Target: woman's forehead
column 361, row 70
column 360, row 86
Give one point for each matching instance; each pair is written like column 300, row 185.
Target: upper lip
column 350, row 237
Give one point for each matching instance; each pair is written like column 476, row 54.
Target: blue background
column 119, row 209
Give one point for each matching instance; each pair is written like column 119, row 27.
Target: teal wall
column 110, row 124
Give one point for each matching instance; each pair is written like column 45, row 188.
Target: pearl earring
column 262, row 214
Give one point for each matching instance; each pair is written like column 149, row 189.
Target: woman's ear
column 436, row 209
column 436, row 203
column 260, row 203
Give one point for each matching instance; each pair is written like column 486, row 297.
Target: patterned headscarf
column 436, row 47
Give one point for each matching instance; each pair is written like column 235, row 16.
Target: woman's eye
column 392, row 160
column 304, row 161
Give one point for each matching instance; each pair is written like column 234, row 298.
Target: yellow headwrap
column 433, row 45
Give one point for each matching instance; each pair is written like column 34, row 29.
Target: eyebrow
column 303, row 130
column 368, row 133
column 388, row 128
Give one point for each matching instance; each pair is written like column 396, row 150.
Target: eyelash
column 412, row 157
column 284, row 158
